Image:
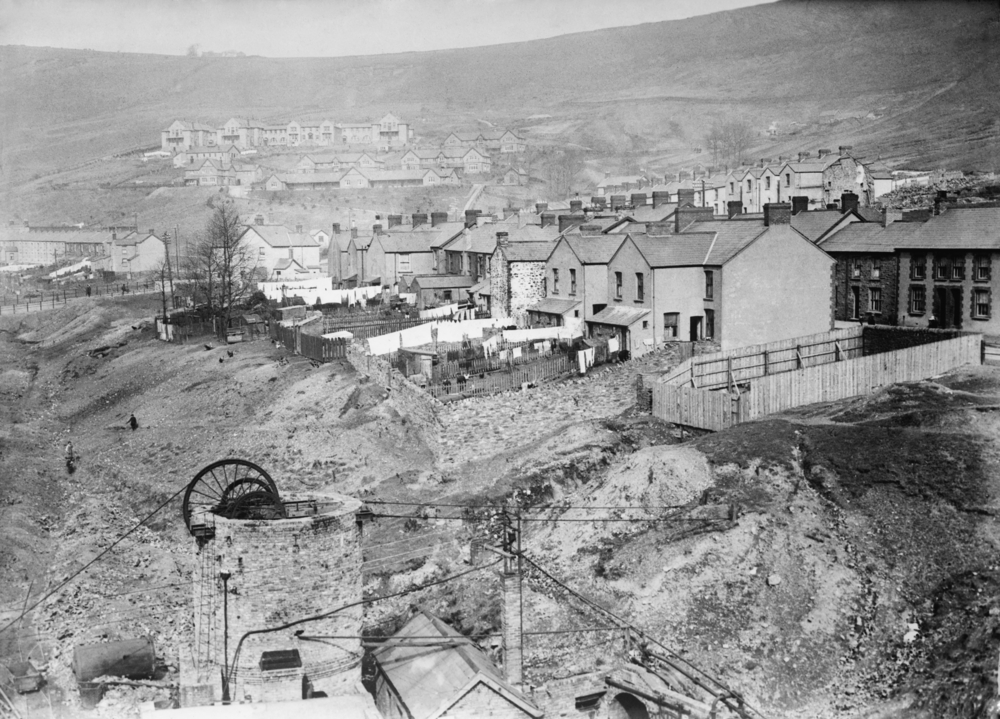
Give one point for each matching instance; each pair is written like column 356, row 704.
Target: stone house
column 517, row 269
column 274, row 183
column 451, row 678
column 355, row 268
column 825, row 178
column 196, row 155
column 512, row 143
column 137, row 252
column 210, row 172
column 272, row 244
column 866, row 283
column 515, row 176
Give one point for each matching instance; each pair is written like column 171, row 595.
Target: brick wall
column 280, row 571
column 527, row 286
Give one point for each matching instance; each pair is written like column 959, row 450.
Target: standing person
column 70, row 457
column 88, row 290
column 133, row 422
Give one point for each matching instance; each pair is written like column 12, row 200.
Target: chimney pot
column 800, row 203
column 848, row 202
column 377, row 229
column 298, row 229
column 548, row 218
column 503, row 239
column 735, row 208
column 418, row 218
column 541, row 207
column 336, row 228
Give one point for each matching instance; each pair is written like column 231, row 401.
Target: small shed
column 433, row 290
column 419, row 362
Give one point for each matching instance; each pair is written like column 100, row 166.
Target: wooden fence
column 840, row 376
column 488, row 384
column 991, row 354
column 315, row 347
column 362, row 329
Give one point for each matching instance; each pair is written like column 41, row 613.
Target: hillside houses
column 245, row 133
column 21, row 246
column 277, row 253
column 355, row 178
column 137, row 252
column 503, row 141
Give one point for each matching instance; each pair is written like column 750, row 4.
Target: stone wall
column 281, row 571
column 527, row 287
column 500, row 284
column 888, row 283
column 842, row 177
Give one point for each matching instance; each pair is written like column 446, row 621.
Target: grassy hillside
column 916, row 81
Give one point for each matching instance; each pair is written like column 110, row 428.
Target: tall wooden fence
column 315, row 347
column 752, row 388
column 362, row 329
column 496, row 382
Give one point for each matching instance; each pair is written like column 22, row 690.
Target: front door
column 695, row 328
column 956, row 307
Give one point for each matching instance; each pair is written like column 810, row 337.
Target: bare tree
column 563, row 170
column 715, row 142
column 228, row 261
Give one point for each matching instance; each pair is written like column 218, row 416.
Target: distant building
column 278, row 252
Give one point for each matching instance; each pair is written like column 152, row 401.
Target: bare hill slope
column 915, row 80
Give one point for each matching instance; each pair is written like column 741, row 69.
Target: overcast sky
column 321, row 28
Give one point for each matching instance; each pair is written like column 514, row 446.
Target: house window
column 404, row 262
column 981, row 304
column 942, row 268
column 982, row 271
column 732, row 187
column 709, row 285
column 555, row 281
column 876, row 269
column 618, row 285
column 262, row 252
column 572, row 282
column 875, row 300
column 767, row 182
column 958, row 268
column 447, row 295
column 855, row 269
column 545, row 287
column 670, row 322
column 918, row 299
column 709, row 324
column 918, row 267
column 748, row 185
column 640, row 293
column 788, row 179
column 645, row 324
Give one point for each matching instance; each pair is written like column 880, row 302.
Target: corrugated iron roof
column 619, row 316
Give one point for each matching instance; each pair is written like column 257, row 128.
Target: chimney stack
column 377, row 229
column 890, row 215
column 438, row 218
column 848, row 202
column 685, row 195
column 548, row 218
column 568, row 221
column 684, row 216
column 638, row 199
column 618, row 202
column 844, row 149
column 354, row 233
column 503, row 239
column 823, row 152
column 599, row 202
column 660, row 197
column 803, row 156
column 335, row 228
column 735, row 208
column 394, row 220
column 576, row 205
column 777, row 213
column 541, row 207
column 800, row 203
column 298, row 229
column 470, row 218
column 590, row 229
column 418, row 219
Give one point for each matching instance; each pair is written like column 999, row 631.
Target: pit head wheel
column 221, row 487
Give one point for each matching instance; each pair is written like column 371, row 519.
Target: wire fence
column 36, row 300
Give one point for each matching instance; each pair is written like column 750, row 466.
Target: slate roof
column 447, row 233
column 554, row 306
column 442, row 282
column 689, row 248
column 619, row 316
column 867, row 237
column 311, row 177
column 594, row 249
column 648, row 213
column 8, row 234
column 816, row 223
column 730, row 238
column 420, row 240
column 129, row 240
column 528, row 251
column 484, row 287
column 963, row 227
column 281, row 236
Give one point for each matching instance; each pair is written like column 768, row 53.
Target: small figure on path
column 88, row 290
column 133, row 422
column 70, row 458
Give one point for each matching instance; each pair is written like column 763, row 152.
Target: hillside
column 855, row 522
column 918, row 82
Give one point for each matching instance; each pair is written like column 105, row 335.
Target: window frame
column 911, row 300
column 976, row 294
column 876, row 268
column 958, row 268
column 671, row 330
column 709, row 331
column 640, row 287
column 942, row 268
column 572, row 281
column 709, row 285
column 618, row 285
column 921, row 265
column 875, row 300
column 981, row 268
column 555, row 281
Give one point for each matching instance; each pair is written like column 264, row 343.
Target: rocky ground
column 856, row 578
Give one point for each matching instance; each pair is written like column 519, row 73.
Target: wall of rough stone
column 527, row 287
column 842, row 177
column 281, row 571
column 888, row 283
column 500, row 284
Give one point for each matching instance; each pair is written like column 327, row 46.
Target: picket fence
column 830, row 368
column 363, row 329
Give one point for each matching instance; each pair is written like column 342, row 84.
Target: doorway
column 855, row 303
column 947, row 309
column 626, row 706
column 695, row 328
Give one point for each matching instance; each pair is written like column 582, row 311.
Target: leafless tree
column 224, row 262
column 729, row 141
column 563, row 170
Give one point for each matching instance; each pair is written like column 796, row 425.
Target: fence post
column 765, row 363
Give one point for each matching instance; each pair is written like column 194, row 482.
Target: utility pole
column 225, row 636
